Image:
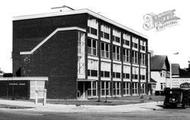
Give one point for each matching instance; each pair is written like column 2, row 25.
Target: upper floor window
column 142, row 45
column 105, row 35
column 116, row 36
column 105, row 32
column 134, row 42
column 105, row 50
column 126, row 39
column 126, row 55
column 92, row 46
column 116, row 39
column 116, row 52
column 93, row 31
column 105, row 74
column 142, row 59
column 135, row 57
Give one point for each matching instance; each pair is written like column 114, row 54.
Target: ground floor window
column 116, row 88
column 135, row 88
column 92, row 89
column 126, row 86
column 105, row 88
column 143, row 88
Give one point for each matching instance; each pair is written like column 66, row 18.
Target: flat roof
column 79, row 11
column 23, row 78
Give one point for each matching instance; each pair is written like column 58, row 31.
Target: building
column 83, row 53
column 160, row 68
column 179, row 76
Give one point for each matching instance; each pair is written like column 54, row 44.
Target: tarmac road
column 160, row 114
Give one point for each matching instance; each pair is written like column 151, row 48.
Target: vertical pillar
column 91, row 88
column 146, row 62
column 111, row 57
column 99, row 61
column 131, row 61
column 139, row 63
column 121, row 57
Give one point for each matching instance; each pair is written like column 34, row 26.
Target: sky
column 127, row 12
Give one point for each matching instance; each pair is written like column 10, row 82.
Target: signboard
column 185, row 85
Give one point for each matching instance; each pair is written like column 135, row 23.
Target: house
column 83, row 53
column 160, row 69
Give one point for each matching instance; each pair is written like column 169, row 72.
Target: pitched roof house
column 160, row 68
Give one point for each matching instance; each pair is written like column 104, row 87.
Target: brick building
column 83, row 53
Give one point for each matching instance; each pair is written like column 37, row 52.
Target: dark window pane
column 89, row 42
column 107, row 47
column 88, row 72
column 94, row 73
column 118, row 75
column 102, row 74
column 127, row 75
column 106, row 35
column 94, row 43
column 107, row 74
column 93, row 31
column 102, row 46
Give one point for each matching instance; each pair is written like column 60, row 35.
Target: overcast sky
column 127, row 12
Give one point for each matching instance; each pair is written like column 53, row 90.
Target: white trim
column 117, row 62
column 93, row 57
column 23, row 78
column 116, row 43
column 80, row 11
column 105, row 60
column 49, row 36
column 92, row 36
column 105, row 40
column 126, row 80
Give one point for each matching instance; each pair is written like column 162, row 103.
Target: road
column 162, row 114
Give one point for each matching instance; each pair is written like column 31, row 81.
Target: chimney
column 188, row 64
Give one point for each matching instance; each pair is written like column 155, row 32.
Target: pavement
column 31, row 106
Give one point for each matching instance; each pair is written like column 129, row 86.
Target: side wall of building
column 29, row 33
column 57, row 59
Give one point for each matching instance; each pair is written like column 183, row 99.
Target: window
column 135, row 57
column 126, row 55
column 105, row 32
column 126, row 42
column 126, row 75
column 142, row 45
column 142, row 88
column 135, row 42
column 105, row 74
column 135, row 76
column 92, row 31
column 105, row 50
column 92, row 47
column 116, row 88
column 105, row 88
column 116, row 39
column 135, row 88
column 116, row 52
column 92, row 73
column 126, row 88
column 116, row 75
column 135, row 45
column 142, row 77
column 142, row 59
column 105, row 35
column 126, row 39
